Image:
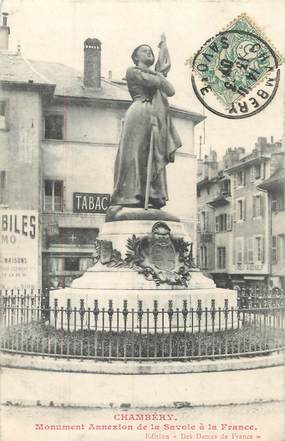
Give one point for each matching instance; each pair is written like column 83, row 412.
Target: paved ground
column 266, row 420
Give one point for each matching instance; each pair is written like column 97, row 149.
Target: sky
column 54, row 30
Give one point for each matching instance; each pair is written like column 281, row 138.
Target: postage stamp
column 236, row 73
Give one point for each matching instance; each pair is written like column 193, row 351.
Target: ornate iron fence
column 30, row 325
column 260, row 298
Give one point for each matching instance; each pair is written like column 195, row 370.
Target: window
column 278, row 248
column 71, row 263
column 281, row 247
column 250, row 250
column 263, row 170
column 2, row 115
column 221, row 223
column 56, row 264
column 53, row 196
column 226, row 187
column 258, row 248
column 198, row 222
column 2, row 186
column 221, row 257
column 239, row 250
column 54, row 126
column 204, row 221
column 204, row 256
column 240, row 178
column 241, row 209
column 257, row 171
column 229, row 222
column 257, row 209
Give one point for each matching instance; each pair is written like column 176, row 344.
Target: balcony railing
column 31, row 326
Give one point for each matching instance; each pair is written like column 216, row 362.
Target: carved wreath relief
column 158, row 256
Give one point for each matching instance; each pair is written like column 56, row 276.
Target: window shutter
column 262, row 250
column 244, row 177
column 244, row 209
column 261, row 205
column 206, row 220
column 63, row 196
column 235, row 180
column 280, row 247
column 4, row 114
column 252, row 170
column 245, row 252
column 2, row 186
column 217, row 224
column 249, row 249
column 253, row 206
column 229, row 222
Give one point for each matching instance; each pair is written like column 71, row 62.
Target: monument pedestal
column 131, row 242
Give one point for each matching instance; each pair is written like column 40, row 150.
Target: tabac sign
column 19, row 249
column 90, row 202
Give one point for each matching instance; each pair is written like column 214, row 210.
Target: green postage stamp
column 236, row 73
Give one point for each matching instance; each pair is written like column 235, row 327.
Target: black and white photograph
column 142, row 220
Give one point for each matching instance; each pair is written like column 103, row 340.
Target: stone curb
column 47, row 363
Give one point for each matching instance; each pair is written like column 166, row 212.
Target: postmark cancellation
column 236, row 73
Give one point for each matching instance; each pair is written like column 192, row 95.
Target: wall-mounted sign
column 206, row 237
column 90, row 202
column 19, row 249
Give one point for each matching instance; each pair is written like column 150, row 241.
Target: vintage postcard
column 142, row 220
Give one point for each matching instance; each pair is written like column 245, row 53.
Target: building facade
column 238, row 201
column 215, row 220
column 274, row 186
column 59, row 134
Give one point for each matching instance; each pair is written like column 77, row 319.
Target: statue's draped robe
column 148, row 112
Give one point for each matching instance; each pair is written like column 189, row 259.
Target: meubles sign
column 90, row 202
column 19, row 249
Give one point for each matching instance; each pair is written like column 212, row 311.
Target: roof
column 208, row 181
column 247, row 161
column 68, row 82
column 276, row 180
column 15, row 68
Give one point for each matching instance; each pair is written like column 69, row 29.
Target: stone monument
column 143, row 252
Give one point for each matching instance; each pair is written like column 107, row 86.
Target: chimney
column 92, row 63
column 4, row 33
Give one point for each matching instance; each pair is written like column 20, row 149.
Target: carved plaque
column 163, row 257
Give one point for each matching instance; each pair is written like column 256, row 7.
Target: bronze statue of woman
column 148, row 139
